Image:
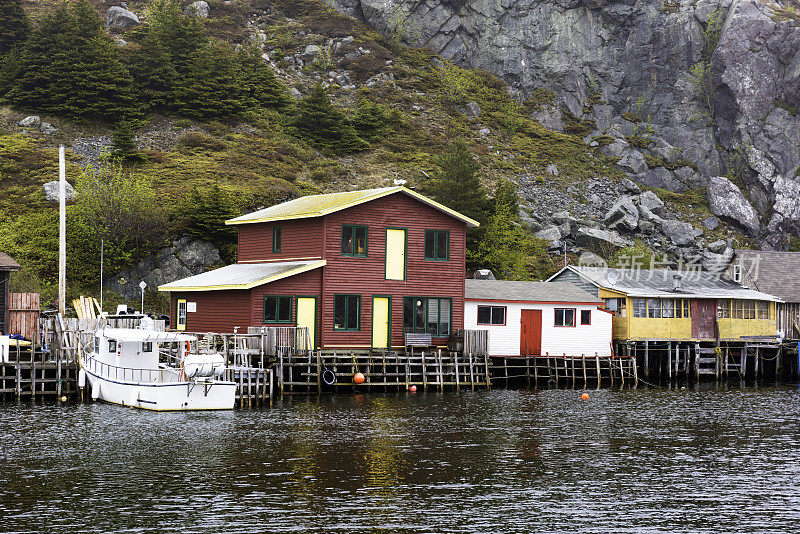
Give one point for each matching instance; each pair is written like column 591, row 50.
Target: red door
column 530, row 339
column 704, row 318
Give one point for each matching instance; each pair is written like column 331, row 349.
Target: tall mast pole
column 62, row 232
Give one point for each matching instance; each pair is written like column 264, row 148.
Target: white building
column 537, row 318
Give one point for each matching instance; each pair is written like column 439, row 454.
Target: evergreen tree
column 324, row 125
column 15, row 26
column 155, row 79
column 204, row 215
column 210, row 86
column 260, row 86
column 182, row 36
column 458, row 186
column 124, row 143
column 370, row 121
column 506, row 248
column 70, row 67
column 10, row 69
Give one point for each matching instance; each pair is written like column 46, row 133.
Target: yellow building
column 663, row 304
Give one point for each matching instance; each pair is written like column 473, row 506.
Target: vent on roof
column 676, row 282
column 483, row 274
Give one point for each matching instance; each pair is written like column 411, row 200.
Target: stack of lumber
column 86, row 308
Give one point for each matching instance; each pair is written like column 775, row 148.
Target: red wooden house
column 357, row 268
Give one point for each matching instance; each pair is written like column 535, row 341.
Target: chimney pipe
column 676, row 282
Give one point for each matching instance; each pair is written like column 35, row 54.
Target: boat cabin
column 676, row 305
column 358, row 269
column 538, row 318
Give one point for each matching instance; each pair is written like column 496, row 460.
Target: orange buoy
column 584, row 396
column 412, row 389
column 358, row 378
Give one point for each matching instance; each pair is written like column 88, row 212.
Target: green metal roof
column 320, row 205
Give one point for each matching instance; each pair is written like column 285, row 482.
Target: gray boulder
column 718, row 247
column 31, row 121
column 297, row 95
column 184, row 257
column 311, row 50
column 474, row 109
column 650, row 200
column 623, row 215
column 631, row 186
column 551, row 233
column 679, row 232
column 552, row 170
column 51, row 191
column 119, row 18
column 615, row 149
column 710, row 223
column 633, row 161
column 729, row 204
column 663, row 179
column 549, row 117
column 592, row 237
column 47, row 128
column 198, row 9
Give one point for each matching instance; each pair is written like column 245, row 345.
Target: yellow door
column 307, row 317
column 380, row 322
column 395, row 254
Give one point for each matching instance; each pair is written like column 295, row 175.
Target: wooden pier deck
column 32, row 373
column 565, row 370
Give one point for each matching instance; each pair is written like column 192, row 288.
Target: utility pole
column 565, row 253
column 101, row 275
column 62, row 232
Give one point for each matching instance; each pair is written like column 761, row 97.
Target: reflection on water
column 707, row 460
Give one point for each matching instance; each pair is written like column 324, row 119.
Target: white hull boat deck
column 155, row 371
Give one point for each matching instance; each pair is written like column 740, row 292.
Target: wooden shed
column 538, row 318
column 776, row 273
column 359, row 269
column 666, row 304
column 7, row 264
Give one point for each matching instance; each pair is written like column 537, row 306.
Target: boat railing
column 132, row 374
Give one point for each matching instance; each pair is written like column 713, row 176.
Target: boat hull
column 173, row 396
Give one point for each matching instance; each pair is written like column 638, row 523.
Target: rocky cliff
column 704, row 87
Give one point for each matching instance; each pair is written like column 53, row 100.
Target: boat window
column 147, row 346
column 96, row 344
column 112, row 345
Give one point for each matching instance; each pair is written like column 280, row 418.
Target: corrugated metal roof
column 777, row 273
column 659, row 283
column 513, row 290
column 319, row 205
column 7, row 263
column 242, row 276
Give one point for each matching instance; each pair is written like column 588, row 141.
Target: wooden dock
column 438, row 369
column 32, row 373
column 757, row 359
column 564, row 370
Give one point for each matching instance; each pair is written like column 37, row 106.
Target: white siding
column 582, row 339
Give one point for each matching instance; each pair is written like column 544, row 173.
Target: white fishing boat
column 159, row 371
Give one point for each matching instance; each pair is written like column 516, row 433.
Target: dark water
column 709, row 460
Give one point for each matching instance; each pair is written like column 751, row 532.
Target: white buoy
column 96, row 390
column 81, row 379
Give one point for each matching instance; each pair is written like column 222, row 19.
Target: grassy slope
column 262, row 160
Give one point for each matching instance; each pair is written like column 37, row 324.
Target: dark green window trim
column 276, row 239
column 275, row 307
column 436, row 236
column 347, row 301
column 353, row 230
column 410, row 324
